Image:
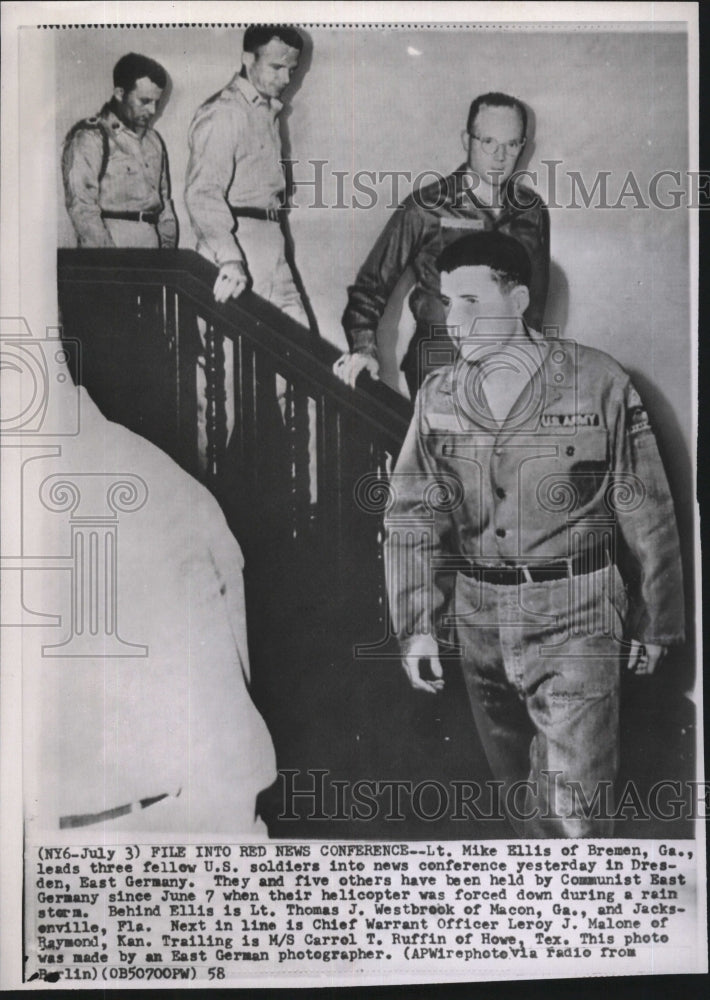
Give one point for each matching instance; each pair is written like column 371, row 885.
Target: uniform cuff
column 222, row 253
column 363, row 342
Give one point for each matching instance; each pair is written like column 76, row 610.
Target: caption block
column 229, row 911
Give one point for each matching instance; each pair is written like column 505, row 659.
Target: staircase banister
column 307, row 356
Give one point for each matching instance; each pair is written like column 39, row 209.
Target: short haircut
column 496, row 100
column 258, row 35
column 132, row 67
column 506, row 257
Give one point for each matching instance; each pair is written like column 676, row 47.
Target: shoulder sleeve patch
column 636, row 416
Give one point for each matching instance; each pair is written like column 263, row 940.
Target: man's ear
column 119, row 93
column 520, row 297
column 248, row 59
column 465, row 139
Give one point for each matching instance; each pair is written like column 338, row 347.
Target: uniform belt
column 263, row 214
column 150, row 217
column 518, row 573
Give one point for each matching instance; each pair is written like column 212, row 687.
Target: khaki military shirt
column 575, row 461
column 109, row 167
column 235, row 162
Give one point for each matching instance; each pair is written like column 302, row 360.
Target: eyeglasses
column 491, row 146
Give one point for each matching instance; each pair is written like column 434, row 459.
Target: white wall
column 391, row 99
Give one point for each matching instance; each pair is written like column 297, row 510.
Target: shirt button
column 498, row 452
column 500, row 492
column 570, row 449
column 500, row 532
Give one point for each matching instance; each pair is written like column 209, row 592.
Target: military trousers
column 264, row 247
column 541, row 662
column 271, row 277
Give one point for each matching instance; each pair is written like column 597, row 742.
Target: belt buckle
column 272, row 214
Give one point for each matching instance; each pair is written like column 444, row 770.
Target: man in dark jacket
column 481, row 195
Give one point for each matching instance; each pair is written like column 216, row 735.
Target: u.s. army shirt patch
column 569, row 420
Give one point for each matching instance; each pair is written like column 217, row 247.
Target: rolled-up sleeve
column 81, row 166
column 213, row 141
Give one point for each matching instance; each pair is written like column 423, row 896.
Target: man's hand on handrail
column 231, row 281
column 644, row 657
column 349, row 366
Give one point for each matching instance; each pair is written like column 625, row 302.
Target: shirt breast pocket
column 577, row 474
column 125, row 182
column 120, row 164
column 464, row 471
column 588, row 447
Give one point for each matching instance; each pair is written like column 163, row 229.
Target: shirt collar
column 252, row 96
column 459, row 364
column 464, row 187
column 114, row 120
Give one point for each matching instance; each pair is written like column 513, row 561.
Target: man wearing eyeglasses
column 482, row 194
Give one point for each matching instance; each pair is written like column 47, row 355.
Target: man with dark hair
column 494, row 100
column 258, row 36
column 115, row 167
column 132, row 67
column 531, row 515
column 235, row 180
column 482, row 194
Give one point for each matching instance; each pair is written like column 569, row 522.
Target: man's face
column 499, row 128
column 270, row 69
column 483, row 310
column 140, row 104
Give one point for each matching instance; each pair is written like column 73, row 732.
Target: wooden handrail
column 296, row 348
